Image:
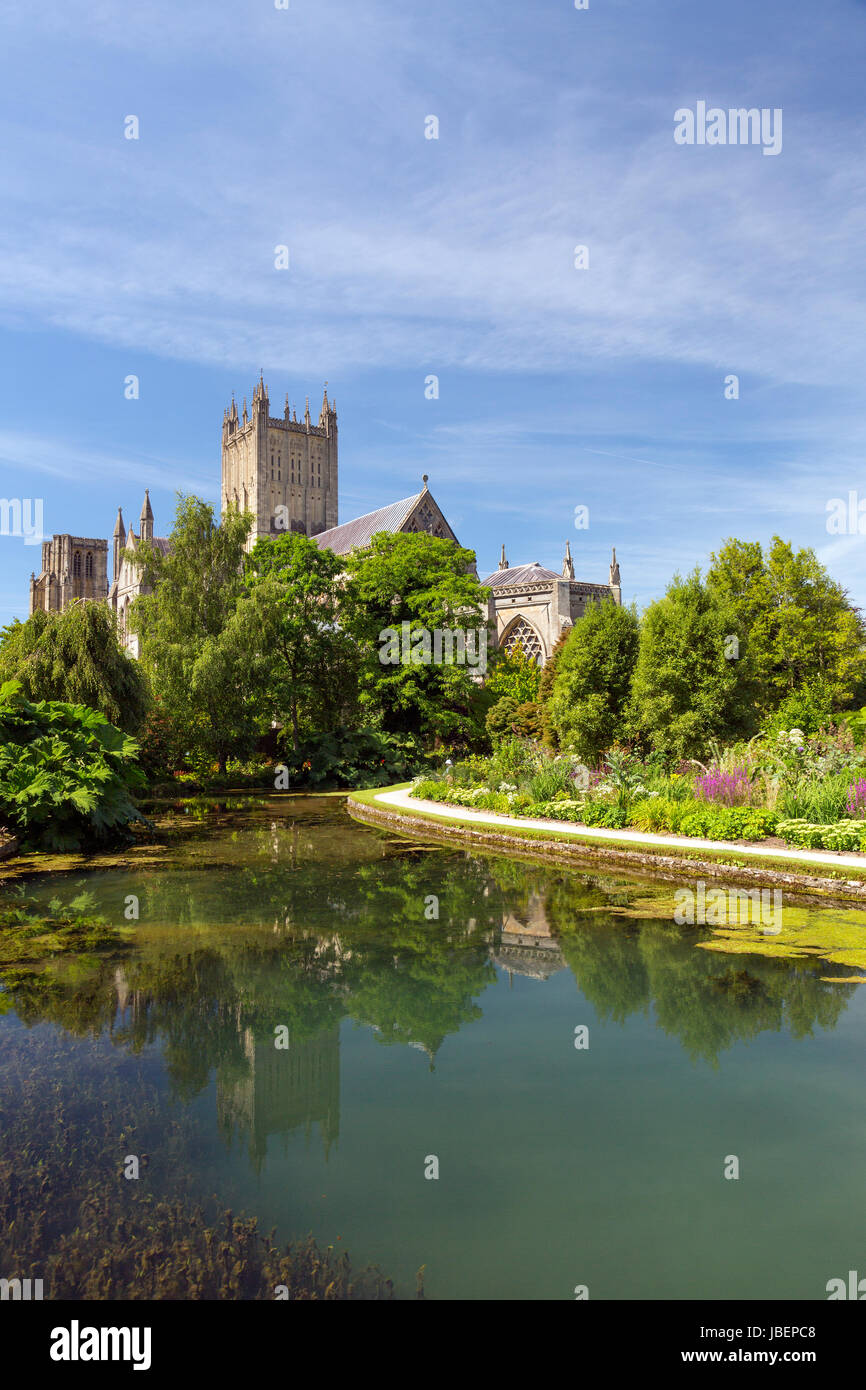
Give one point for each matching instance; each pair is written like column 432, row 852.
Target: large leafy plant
column 65, row 773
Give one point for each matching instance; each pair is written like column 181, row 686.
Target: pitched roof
column 355, row 535
column 521, row 574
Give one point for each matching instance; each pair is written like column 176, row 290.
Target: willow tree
column 76, row 656
column 203, row 673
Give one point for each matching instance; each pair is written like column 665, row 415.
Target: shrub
column 844, row 835
column 65, row 773
column 730, row 823
column 360, row 758
column 500, row 719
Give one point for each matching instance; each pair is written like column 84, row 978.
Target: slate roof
column 521, row 574
column 355, row 535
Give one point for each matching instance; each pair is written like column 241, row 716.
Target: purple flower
column 729, row 788
column 855, row 802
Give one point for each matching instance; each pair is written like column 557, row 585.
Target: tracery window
column 524, row 633
column 76, row 565
column 88, row 566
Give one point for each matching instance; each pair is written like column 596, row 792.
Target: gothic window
column 524, row 633
column 76, row 565
column 88, row 566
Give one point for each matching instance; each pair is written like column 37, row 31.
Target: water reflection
column 307, row 921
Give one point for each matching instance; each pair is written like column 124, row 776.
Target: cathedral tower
column 283, row 470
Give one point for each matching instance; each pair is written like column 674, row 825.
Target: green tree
column 687, row 689
column 514, row 674
column 75, row 656
column 586, row 708
column 289, row 613
column 200, row 664
column 428, row 584
column 795, row 625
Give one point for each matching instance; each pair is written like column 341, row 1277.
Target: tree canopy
column 429, row 585
column 196, row 658
column 586, row 708
column 76, row 656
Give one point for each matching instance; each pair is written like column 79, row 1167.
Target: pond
column 310, row 1019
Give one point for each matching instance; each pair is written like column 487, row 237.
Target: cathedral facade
column 284, row 471
column 281, row 469
column 73, row 567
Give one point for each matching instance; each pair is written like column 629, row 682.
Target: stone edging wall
column 633, row 862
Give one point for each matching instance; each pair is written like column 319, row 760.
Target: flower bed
column 701, row 821
column 791, row 786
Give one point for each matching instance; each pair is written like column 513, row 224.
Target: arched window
column 88, row 566
column 76, row 565
column 523, row 633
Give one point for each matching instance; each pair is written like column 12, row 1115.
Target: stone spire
column 615, row 585
column 119, row 542
column 146, row 518
column 503, row 562
column 568, row 563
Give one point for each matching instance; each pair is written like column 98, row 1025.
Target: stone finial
column 503, row 560
column 424, row 481
column 614, row 570
column 567, row 563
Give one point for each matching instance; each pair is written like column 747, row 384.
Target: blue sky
column 455, row 257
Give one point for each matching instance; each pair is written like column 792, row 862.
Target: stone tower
column 73, row 567
column 283, row 470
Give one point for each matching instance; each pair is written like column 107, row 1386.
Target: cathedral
column 284, row 471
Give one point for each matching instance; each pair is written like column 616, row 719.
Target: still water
column 411, row 1037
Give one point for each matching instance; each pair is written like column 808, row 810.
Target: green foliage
column 809, row 708
column 501, row 718
column 426, row 582
column 855, row 720
column 65, row 773
column 685, row 691
column 75, row 657
column 593, row 677
column 507, row 719
column 729, row 823
column 845, row 835
column 797, row 629
column 288, row 618
column 355, row 758
column 514, row 674
column 816, row 799
column 162, row 744
column 200, row 663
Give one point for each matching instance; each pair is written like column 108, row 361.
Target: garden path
column 403, row 801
